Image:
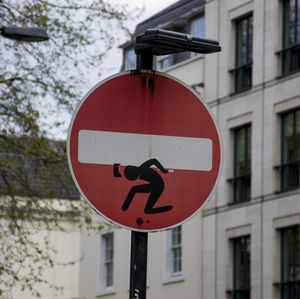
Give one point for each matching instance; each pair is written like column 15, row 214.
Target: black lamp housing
column 164, row 42
column 25, row 34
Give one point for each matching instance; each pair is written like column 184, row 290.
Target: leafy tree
column 39, row 84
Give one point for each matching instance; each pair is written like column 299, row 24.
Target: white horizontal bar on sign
column 108, row 148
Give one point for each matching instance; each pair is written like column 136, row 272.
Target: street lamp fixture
column 165, row 42
column 30, row 34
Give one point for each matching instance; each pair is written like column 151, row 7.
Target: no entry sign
column 144, row 150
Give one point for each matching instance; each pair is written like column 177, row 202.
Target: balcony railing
column 239, row 293
column 289, row 289
column 290, row 59
column 241, row 188
column 289, row 175
column 242, row 77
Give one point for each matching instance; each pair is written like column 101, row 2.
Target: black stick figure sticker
column 154, row 188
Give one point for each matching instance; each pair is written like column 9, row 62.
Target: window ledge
column 179, row 64
column 236, row 203
column 173, row 279
column 283, row 76
column 231, row 291
column 290, row 190
column 105, row 292
column 240, row 91
column 281, row 283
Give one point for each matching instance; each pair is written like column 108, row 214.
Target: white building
column 251, row 228
column 245, row 243
column 39, row 225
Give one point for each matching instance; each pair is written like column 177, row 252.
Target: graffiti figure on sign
column 154, row 188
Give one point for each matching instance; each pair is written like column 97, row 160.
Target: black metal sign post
column 139, row 240
column 138, row 265
column 157, row 42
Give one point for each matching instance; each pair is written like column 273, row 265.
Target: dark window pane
column 290, row 263
column 243, row 71
column 287, row 136
column 292, row 19
column 291, row 36
column 250, row 35
column 297, row 115
column 240, row 159
column 290, row 150
column 241, row 268
column 242, row 163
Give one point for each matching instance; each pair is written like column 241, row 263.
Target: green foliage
column 38, row 82
column 51, row 74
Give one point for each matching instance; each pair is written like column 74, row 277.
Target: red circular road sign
column 144, row 150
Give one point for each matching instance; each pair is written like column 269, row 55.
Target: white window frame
column 102, row 287
column 169, row 248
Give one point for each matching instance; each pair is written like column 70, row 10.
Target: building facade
column 245, row 242
column 251, row 228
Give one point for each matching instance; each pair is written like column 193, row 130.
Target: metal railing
column 290, row 59
column 289, row 175
column 242, row 77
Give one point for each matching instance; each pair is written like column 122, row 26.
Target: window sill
column 179, row 64
column 283, row 76
column 231, row 292
column 105, row 292
column 290, row 190
column 235, row 93
column 280, row 284
column 277, row 284
column 241, row 202
column 173, row 279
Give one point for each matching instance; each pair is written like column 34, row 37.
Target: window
column 173, row 254
column 165, row 62
column 130, row 59
column 290, row 150
column 242, row 164
column 291, row 36
column 106, row 263
column 241, row 268
column 197, row 28
column 243, row 61
column 176, row 250
column 290, row 263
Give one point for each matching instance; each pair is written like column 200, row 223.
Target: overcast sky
column 152, row 6
column 113, row 60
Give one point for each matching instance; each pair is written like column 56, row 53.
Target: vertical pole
column 139, row 240
column 138, row 265
column 144, row 61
